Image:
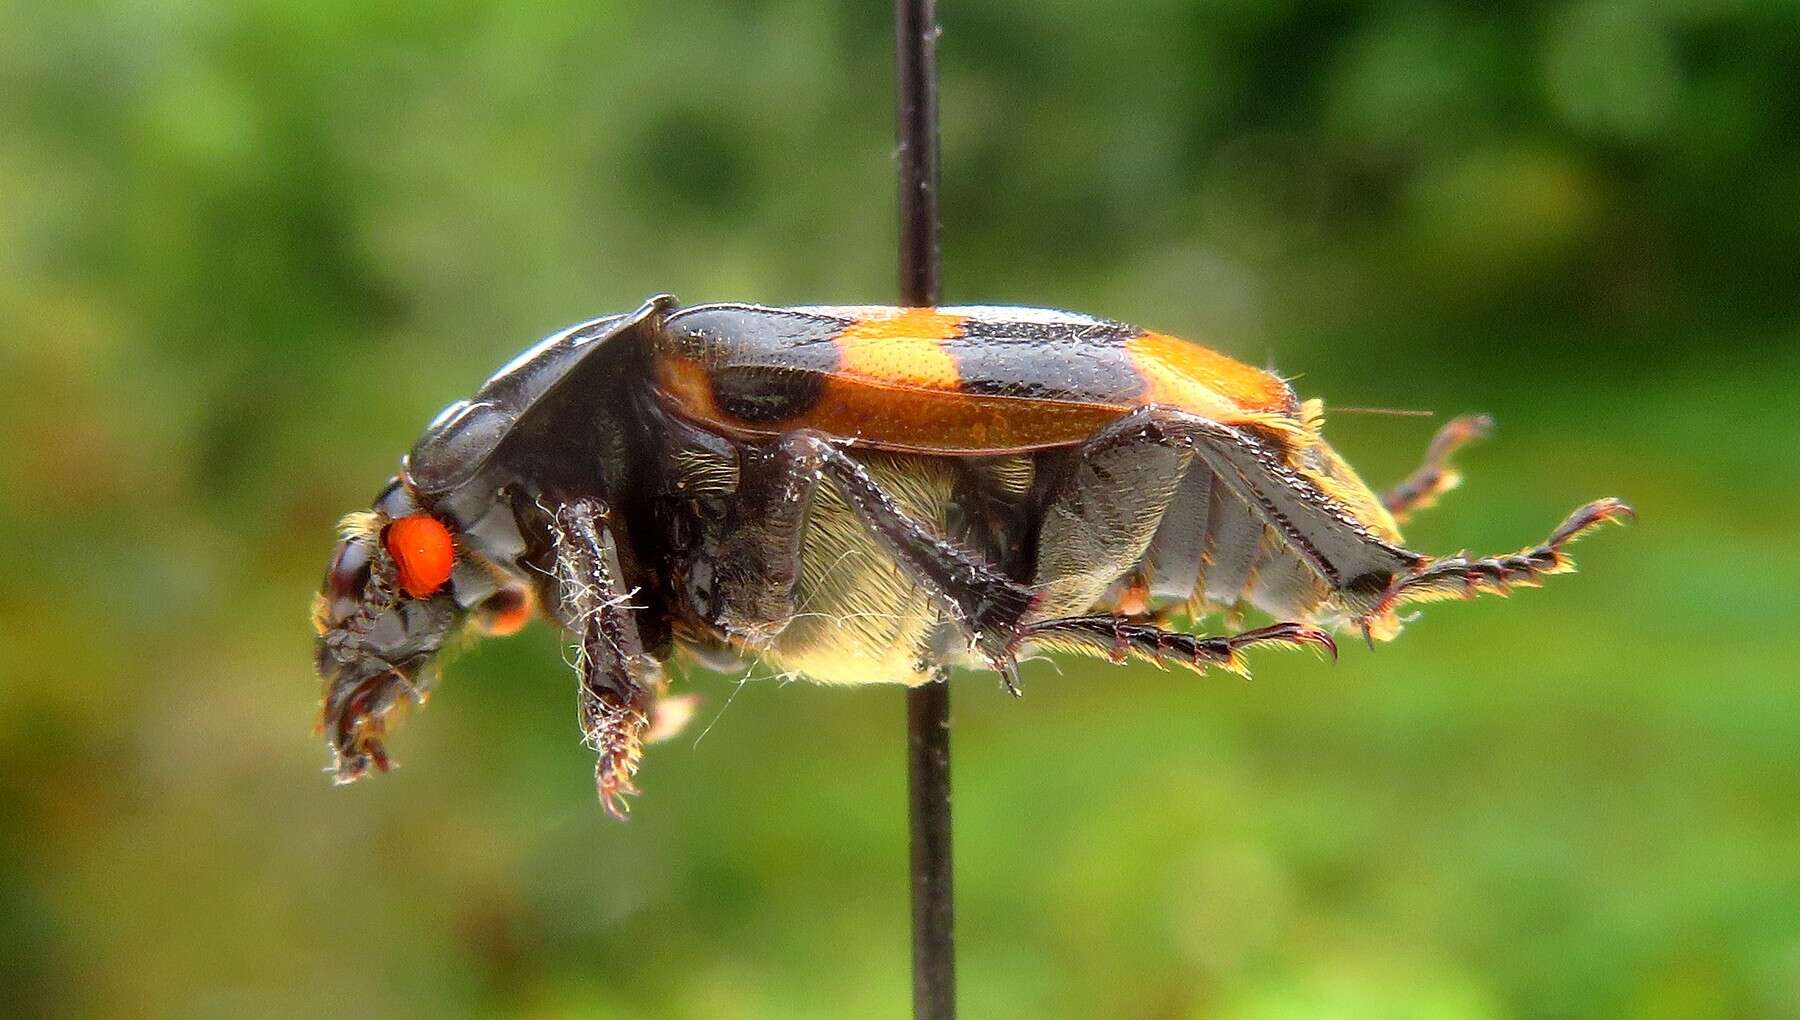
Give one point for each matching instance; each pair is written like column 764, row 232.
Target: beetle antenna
column 1392, row 412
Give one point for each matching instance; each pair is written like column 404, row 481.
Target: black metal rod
column 928, row 801
column 916, row 133
column 927, row 707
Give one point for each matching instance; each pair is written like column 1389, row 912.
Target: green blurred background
column 247, row 250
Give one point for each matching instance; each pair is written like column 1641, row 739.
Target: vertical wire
column 927, row 707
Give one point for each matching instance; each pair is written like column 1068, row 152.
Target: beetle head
column 398, row 585
column 443, row 544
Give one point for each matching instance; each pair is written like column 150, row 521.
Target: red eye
column 422, row 549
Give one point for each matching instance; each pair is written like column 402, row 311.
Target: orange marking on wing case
column 895, row 387
column 686, row 383
column 901, row 349
column 878, row 322
column 909, row 418
column 1204, row 381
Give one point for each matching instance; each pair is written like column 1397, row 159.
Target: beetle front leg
column 619, row 682
column 1435, row 476
column 757, row 562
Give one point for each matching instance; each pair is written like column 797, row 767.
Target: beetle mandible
column 865, row 495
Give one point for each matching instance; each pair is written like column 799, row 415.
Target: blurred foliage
column 246, row 250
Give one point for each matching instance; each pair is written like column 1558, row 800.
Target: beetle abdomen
column 958, row 380
column 1212, row 552
column 858, row 617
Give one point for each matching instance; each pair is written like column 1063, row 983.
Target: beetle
column 870, row 494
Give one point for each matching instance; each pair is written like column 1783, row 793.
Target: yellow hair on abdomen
column 860, row 619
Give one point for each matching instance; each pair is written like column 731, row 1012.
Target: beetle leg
column 1105, row 507
column 1121, row 639
column 1435, row 476
column 618, row 681
column 990, row 606
column 1254, row 487
column 757, row 562
column 1461, row 577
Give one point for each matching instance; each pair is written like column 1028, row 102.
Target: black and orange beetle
column 869, row 495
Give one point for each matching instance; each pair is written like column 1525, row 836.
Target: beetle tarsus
column 1459, row 576
column 618, row 680
column 1120, row 639
column 1007, row 669
column 614, row 730
column 1434, row 476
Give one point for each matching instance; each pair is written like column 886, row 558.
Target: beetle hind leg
column 1434, row 476
column 1121, row 639
column 618, row 681
column 1452, row 577
column 990, row 606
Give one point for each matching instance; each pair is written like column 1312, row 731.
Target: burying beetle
column 870, row 495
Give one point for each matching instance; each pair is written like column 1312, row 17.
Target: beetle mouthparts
column 357, row 713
